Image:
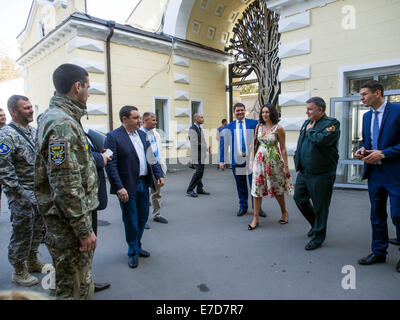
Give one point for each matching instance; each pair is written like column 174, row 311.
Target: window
column 390, row 82
column 161, row 111
column 196, row 107
column 42, row 31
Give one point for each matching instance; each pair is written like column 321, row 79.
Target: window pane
column 355, row 84
column 390, row 81
column 160, row 114
column 395, row 99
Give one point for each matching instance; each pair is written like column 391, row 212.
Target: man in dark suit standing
column 198, row 154
column 380, row 151
column 131, row 172
column 101, row 161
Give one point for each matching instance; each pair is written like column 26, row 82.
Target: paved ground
column 206, row 251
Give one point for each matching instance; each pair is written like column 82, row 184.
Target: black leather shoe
column 371, row 259
column 101, row 286
column 203, row 192
column 262, row 214
column 144, row 253
column 192, row 194
column 394, row 241
column 312, row 245
column 160, row 219
column 241, row 212
column 398, row 266
column 309, row 233
column 133, row 261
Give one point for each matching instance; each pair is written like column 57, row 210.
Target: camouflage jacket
column 66, row 181
column 17, row 161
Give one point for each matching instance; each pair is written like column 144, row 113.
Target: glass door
column 350, row 111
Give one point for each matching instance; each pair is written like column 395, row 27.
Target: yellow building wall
column 133, row 67
column 39, row 82
column 208, row 18
column 375, row 38
column 53, row 16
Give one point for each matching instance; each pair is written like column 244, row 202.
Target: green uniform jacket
column 317, row 148
column 66, row 181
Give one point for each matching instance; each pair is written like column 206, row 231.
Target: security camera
column 64, row 4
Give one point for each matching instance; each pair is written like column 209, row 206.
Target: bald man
column 198, row 153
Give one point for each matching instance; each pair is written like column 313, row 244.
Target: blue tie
column 375, row 132
column 242, row 136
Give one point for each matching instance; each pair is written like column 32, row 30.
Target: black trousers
column 94, row 221
column 196, row 179
column 319, row 189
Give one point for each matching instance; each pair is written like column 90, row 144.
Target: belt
column 142, row 177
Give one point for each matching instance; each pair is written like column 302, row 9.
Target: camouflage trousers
column 27, row 230
column 74, row 280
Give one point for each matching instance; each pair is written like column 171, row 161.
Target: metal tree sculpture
column 255, row 45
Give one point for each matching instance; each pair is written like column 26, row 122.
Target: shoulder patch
column 57, row 152
column 5, row 147
column 331, row 128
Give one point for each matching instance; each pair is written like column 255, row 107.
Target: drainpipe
column 111, row 25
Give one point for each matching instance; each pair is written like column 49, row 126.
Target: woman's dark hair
column 273, row 114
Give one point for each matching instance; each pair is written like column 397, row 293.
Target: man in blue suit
column 236, row 140
column 131, row 172
column 380, row 151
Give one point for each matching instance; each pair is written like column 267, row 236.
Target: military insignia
column 5, row 148
column 331, row 128
column 57, row 152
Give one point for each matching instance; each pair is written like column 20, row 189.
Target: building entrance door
column 349, row 111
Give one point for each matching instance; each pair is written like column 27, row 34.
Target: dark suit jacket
column 123, row 170
column 198, row 145
column 228, row 140
column 98, row 159
column 388, row 141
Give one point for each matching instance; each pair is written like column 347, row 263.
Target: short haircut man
column 66, row 75
column 380, row 152
column 130, row 176
column 66, row 184
column 316, row 161
column 17, row 165
column 319, row 102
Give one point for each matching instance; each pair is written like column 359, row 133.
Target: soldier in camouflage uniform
column 17, row 160
column 66, row 184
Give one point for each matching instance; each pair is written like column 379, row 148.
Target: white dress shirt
column 380, row 110
column 239, row 137
column 139, row 148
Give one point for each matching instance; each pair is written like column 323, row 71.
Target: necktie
column 242, row 137
column 375, row 131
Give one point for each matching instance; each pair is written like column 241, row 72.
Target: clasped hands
column 369, row 156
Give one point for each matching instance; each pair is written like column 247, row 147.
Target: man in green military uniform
column 66, row 184
column 316, row 161
column 17, row 161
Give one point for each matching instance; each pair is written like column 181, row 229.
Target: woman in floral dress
column 271, row 176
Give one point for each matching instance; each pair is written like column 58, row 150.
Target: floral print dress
column 269, row 178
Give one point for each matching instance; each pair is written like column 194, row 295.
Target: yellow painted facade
column 342, row 35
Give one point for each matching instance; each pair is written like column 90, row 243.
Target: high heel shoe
column 281, row 221
column 252, row 228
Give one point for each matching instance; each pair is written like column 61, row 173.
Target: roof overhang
column 84, row 25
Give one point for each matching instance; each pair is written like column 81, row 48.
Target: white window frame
column 200, row 109
column 360, row 70
column 167, row 116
